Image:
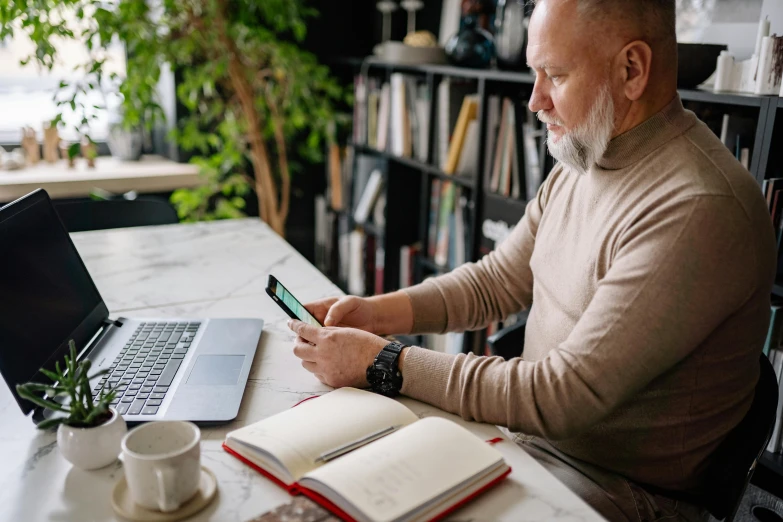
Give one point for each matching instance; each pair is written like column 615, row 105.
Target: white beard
column 587, row 143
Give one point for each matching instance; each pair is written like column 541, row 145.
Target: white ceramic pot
column 92, row 448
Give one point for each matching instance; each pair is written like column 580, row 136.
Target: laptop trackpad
column 216, row 370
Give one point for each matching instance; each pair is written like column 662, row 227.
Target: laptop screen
column 46, row 293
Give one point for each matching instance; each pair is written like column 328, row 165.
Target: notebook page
column 298, row 436
column 395, row 475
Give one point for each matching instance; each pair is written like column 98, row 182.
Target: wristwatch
column 384, row 374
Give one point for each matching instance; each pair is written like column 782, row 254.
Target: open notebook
column 421, row 470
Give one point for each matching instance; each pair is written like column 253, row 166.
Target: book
column 369, row 196
column 404, row 468
column 467, row 113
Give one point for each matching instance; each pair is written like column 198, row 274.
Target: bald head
column 602, row 67
column 652, row 21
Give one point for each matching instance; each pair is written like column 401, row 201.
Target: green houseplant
column 259, row 106
column 89, row 429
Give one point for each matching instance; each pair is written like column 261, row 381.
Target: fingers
column 304, row 350
column 340, row 309
column 320, row 308
column 304, row 330
column 313, row 368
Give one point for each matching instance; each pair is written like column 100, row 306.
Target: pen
column 345, row 448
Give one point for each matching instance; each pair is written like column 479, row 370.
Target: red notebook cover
column 296, row 489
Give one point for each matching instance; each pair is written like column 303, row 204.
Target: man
column 646, row 259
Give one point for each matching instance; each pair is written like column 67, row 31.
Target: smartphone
column 288, row 302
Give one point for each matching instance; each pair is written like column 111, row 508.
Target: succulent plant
column 79, row 409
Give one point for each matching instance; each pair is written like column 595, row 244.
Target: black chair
column 734, row 460
column 81, row 215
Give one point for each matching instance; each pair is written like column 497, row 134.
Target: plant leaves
column 51, row 423
column 39, row 401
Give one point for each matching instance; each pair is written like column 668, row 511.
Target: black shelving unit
column 492, row 81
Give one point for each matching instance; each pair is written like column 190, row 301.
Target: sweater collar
column 633, row 145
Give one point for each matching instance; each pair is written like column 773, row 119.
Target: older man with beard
column 646, row 261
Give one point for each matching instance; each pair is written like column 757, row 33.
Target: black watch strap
column 383, row 375
column 390, row 354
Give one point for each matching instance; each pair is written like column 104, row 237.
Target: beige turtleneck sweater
column 648, row 280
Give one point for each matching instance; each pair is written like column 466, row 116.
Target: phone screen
column 294, row 305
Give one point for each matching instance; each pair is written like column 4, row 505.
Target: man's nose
column 540, row 99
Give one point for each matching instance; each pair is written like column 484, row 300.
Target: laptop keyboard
column 145, row 368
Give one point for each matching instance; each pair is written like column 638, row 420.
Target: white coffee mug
column 162, row 463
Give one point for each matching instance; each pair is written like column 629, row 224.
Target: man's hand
column 338, row 357
column 349, row 311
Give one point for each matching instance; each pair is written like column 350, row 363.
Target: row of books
column 394, row 117
column 346, row 254
column 516, row 161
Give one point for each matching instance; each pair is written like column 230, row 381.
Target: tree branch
column 282, row 154
column 265, row 185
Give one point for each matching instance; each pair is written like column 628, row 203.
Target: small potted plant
column 89, row 430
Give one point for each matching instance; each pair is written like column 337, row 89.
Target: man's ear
column 635, row 62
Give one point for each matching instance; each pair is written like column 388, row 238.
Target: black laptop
column 163, row 368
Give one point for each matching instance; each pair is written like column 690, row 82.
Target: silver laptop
column 163, row 368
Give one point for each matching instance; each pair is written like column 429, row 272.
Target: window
column 27, row 92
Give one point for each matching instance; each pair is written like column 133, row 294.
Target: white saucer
column 125, row 507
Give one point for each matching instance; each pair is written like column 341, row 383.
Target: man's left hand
column 338, row 357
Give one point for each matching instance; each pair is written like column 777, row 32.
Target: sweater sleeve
column 498, row 285
column 675, row 276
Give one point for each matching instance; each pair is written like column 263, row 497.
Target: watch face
column 385, row 382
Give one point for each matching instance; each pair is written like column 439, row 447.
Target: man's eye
column 555, row 78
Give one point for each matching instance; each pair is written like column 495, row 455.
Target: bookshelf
column 762, row 113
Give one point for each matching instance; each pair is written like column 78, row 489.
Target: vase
column 124, row 144
column 510, row 35
column 472, row 46
column 92, row 448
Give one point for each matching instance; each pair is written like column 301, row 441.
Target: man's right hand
column 349, row 311
column 387, row 314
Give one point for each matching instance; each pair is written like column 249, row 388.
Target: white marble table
column 219, row 270
column 150, row 174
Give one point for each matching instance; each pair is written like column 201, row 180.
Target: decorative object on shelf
column 386, row 8
column 89, row 151
column 51, row 142
column 696, row 63
column 760, row 74
column 420, row 39
column 124, row 143
column 30, row 146
column 89, row 431
column 481, row 10
column 417, row 47
column 411, row 6
column 770, row 70
column 450, row 16
column 511, row 34
column 472, row 46
column 14, row 160
column 69, row 152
